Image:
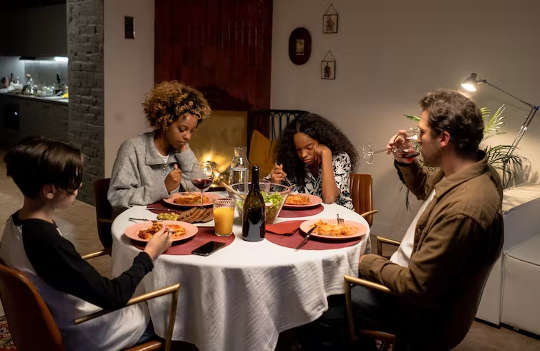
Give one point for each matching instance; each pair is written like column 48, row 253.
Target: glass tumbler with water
column 240, row 168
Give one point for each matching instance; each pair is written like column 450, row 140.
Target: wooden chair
column 361, row 186
column 388, row 340
column 32, row 326
column 270, row 123
column 104, row 212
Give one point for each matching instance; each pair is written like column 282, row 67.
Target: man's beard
column 433, row 159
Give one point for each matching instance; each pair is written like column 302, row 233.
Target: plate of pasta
column 330, row 229
column 302, row 201
column 144, row 231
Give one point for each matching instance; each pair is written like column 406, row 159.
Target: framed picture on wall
column 330, row 20
column 330, row 23
column 300, row 46
column 328, row 66
column 328, row 70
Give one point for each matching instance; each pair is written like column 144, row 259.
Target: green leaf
column 413, row 117
column 493, row 124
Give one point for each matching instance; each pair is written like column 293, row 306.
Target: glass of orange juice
column 223, row 216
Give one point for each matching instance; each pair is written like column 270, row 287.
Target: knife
column 308, row 234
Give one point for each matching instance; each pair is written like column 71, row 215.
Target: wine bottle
column 253, row 215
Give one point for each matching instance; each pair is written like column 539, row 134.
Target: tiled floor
column 78, row 222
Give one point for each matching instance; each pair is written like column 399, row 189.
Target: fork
column 307, row 237
column 339, row 219
column 133, row 219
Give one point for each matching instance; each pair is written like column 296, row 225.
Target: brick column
column 86, row 101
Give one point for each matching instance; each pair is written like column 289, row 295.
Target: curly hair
column 168, row 101
column 453, row 112
column 315, row 127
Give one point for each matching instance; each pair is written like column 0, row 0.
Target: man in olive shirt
column 457, row 238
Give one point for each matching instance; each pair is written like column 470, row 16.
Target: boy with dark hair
column 49, row 174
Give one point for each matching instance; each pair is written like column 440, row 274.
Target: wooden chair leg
column 350, row 321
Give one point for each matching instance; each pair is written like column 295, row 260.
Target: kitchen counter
column 22, row 116
column 52, row 99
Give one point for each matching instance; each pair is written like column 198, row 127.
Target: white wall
column 389, row 53
column 129, row 72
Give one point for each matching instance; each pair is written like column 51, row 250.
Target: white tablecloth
column 242, row 296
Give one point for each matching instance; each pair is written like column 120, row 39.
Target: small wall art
column 330, row 20
column 328, row 66
column 299, row 46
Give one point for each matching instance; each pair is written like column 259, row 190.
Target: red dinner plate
column 358, row 229
column 210, row 200
column 132, row 231
column 314, row 200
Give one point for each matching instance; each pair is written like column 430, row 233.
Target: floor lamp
column 470, row 84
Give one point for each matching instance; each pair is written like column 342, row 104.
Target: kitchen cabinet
column 22, row 117
column 35, row 31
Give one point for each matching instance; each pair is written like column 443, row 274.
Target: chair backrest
column 104, row 211
column 270, row 123
column 362, row 194
column 30, row 322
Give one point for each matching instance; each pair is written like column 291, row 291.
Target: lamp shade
column 470, row 82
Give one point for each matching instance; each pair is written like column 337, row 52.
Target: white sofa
column 510, row 293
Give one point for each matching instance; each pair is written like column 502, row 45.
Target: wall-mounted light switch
column 129, row 28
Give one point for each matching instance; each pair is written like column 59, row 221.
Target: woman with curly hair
column 317, row 158
column 151, row 166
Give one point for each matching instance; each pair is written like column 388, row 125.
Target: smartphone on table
column 208, row 248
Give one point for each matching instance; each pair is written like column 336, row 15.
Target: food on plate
column 175, row 230
column 297, row 199
column 146, row 234
column 168, row 216
column 334, row 229
column 190, row 199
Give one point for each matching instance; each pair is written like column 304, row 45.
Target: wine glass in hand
column 203, row 179
column 402, row 145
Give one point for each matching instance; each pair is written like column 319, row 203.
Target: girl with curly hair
column 151, row 166
column 317, row 158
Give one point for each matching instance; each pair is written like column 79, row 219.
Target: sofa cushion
column 521, row 283
column 527, row 251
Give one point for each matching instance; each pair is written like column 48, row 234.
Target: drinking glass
column 407, row 149
column 204, row 178
column 223, row 216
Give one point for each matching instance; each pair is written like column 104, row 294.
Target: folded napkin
column 287, row 227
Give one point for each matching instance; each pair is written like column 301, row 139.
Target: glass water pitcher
column 240, row 168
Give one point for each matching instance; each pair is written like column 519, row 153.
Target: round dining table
column 243, row 295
